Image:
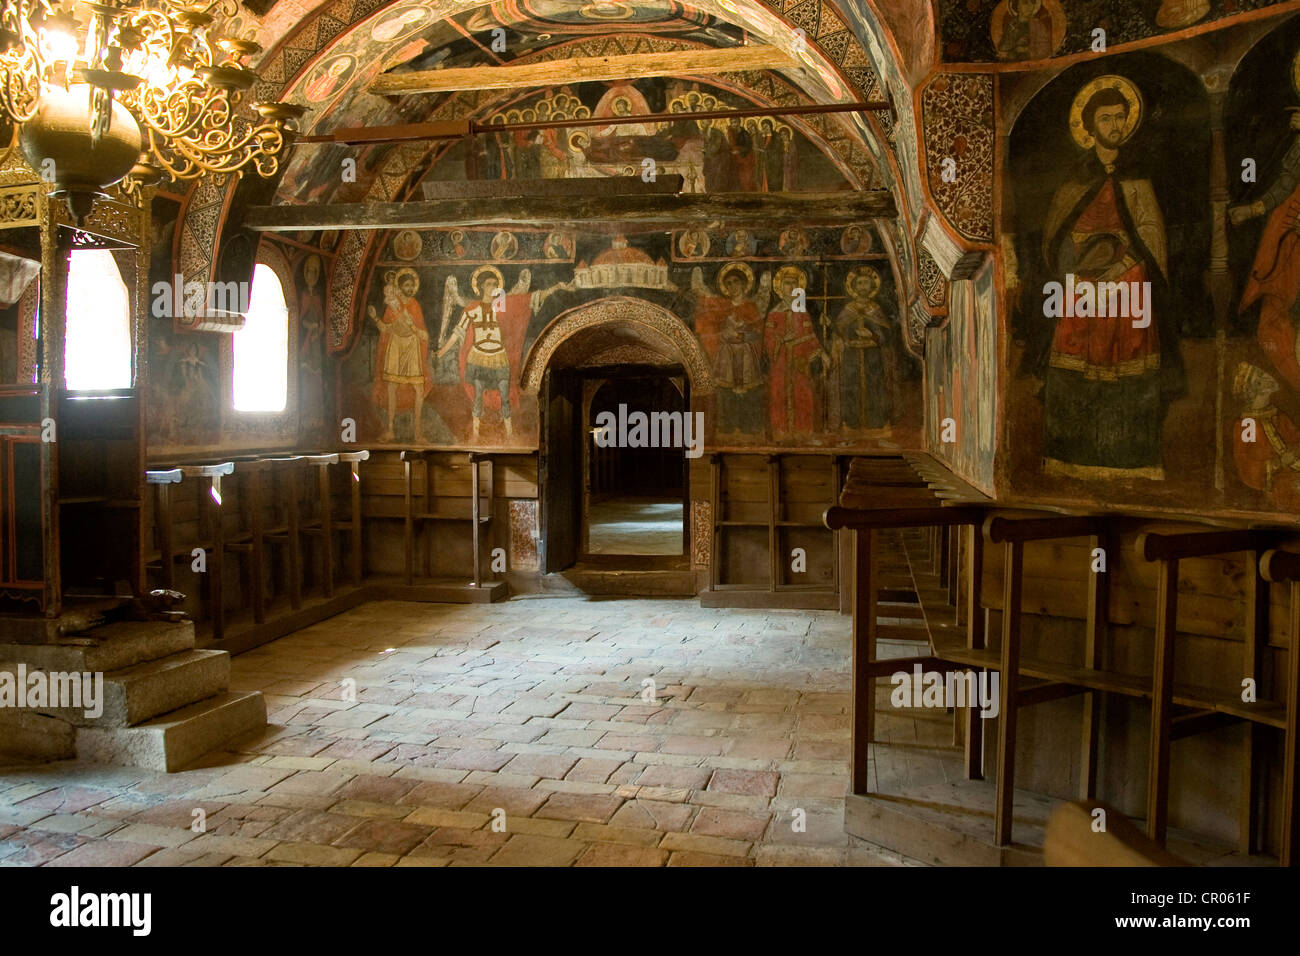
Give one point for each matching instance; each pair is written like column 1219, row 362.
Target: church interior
column 649, row 433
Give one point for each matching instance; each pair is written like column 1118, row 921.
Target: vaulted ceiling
column 325, row 55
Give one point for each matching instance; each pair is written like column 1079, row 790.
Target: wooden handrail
column 1002, row 530
column 170, row 476
column 837, row 517
column 208, row 471
column 1155, row 546
column 1279, row 566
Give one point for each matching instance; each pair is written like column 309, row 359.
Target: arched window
column 97, row 344
column 261, row 360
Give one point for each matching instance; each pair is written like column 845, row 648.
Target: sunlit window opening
column 97, row 351
column 261, row 374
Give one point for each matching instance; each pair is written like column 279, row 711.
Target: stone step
column 134, row 694
column 174, row 740
column 27, row 735
column 658, row 583
column 111, row 647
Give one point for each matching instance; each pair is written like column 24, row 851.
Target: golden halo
column 475, row 279
column 1295, row 73
column 1107, row 82
column 401, row 274
column 867, row 271
column 800, row 277
column 702, row 237
column 743, row 268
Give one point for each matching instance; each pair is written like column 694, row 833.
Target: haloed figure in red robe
column 1107, row 379
column 791, row 345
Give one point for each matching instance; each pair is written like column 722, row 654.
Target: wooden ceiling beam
column 459, row 129
column 584, row 69
column 570, row 211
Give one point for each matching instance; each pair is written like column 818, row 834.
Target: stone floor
column 635, row 526
column 507, row 734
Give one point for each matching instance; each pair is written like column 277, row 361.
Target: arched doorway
column 610, row 493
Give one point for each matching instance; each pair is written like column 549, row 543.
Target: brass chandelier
column 136, row 92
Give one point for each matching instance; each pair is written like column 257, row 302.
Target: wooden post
column 976, row 639
column 216, row 560
column 864, row 653
column 356, row 522
column 1162, row 700
column 950, row 549
column 837, row 539
column 326, row 527
column 1010, row 668
column 295, row 537
column 1256, row 627
column 162, row 480
column 490, row 502
column 56, row 250
column 474, row 515
column 258, row 555
column 1290, row 850
column 408, row 537
column 163, row 520
column 773, row 534
column 1095, row 632
column 715, row 484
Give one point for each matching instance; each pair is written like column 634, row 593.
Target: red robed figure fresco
column 790, row 344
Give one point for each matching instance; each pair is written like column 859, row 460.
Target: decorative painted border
column 617, row 309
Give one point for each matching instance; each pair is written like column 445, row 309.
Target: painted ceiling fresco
column 335, row 88
column 1014, row 31
column 306, row 42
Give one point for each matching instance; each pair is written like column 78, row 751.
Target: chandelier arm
column 181, row 81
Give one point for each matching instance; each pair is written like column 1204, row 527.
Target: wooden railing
column 882, row 495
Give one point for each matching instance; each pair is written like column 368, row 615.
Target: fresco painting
column 1264, row 419
column 749, row 154
column 1011, row 31
column 961, row 364
column 798, row 346
column 313, row 394
column 1103, row 392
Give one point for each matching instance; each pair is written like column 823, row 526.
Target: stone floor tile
column 528, row 850
column 105, row 853
column 746, row 782
column 384, row 836
column 487, row 707
column 732, row 824
column 614, row 854
column 582, row 807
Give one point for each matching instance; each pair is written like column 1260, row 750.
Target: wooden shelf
column 422, row 498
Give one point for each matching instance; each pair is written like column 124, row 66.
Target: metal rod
column 420, row 131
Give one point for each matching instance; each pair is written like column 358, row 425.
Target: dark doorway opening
column 636, row 496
